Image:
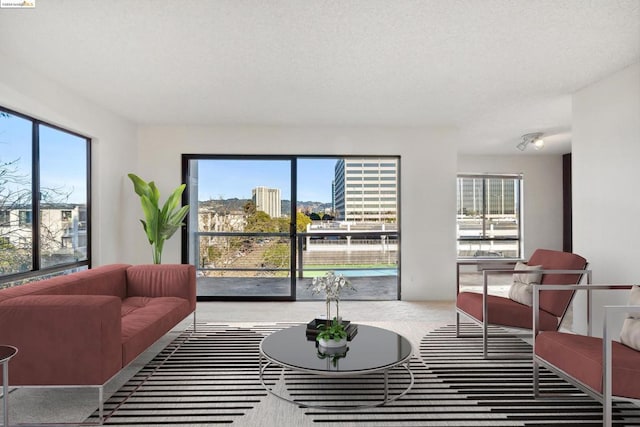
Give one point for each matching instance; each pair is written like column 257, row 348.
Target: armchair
column 557, row 268
column 601, row 367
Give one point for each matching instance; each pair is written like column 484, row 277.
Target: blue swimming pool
column 369, row 272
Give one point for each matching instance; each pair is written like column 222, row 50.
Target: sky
column 62, row 158
column 226, row 179
column 61, row 154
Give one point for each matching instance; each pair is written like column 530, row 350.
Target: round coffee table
column 372, row 350
column 6, row 353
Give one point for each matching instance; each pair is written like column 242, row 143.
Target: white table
column 6, row 353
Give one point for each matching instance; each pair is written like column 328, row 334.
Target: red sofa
column 81, row 329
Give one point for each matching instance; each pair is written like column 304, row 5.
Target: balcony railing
column 263, row 254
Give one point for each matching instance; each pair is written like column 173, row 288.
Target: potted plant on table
column 332, row 285
column 332, row 336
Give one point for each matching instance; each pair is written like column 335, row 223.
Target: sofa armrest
column 163, row 280
column 62, row 339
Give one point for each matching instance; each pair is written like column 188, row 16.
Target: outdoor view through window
column 43, row 197
column 251, row 237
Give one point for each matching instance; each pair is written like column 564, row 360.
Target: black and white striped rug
column 211, row 377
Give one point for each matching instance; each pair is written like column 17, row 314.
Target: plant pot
column 331, row 344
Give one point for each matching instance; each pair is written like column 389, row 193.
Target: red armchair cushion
column 556, row 302
column 581, row 357
column 504, row 311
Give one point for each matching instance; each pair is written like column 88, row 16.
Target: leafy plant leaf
column 159, row 224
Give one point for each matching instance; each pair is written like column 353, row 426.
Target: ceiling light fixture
column 531, row 138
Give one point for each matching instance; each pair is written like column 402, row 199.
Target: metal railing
column 351, row 250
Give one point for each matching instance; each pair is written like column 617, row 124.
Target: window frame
column 294, row 158
column 36, row 262
column 518, row 205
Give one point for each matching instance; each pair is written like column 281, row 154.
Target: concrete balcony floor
column 380, row 288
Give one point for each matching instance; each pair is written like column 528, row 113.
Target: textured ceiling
column 495, row 69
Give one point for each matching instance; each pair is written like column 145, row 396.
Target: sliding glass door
column 261, row 227
column 240, row 234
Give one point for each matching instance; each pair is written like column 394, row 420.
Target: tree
column 301, row 222
column 260, row 222
column 282, row 224
column 249, row 208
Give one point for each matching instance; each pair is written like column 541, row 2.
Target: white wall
column 606, row 174
column 30, row 93
column 429, row 164
column 542, row 198
column 428, row 171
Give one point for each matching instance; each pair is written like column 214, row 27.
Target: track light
column 531, row 138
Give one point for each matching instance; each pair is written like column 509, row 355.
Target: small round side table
column 6, row 353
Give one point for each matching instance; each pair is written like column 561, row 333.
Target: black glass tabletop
column 371, row 349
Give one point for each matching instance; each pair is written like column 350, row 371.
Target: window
column 44, row 194
column 24, row 218
column 488, row 216
column 250, row 247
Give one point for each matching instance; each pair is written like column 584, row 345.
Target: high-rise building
column 267, row 200
column 366, row 189
column 488, row 195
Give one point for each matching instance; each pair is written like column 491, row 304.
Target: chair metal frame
column 606, row 397
column 484, row 324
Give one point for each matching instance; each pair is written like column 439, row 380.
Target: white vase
column 332, row 343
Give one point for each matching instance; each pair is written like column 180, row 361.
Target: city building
column 494, row 196
column 366, row 189
column 63, row 233
column 267, row 200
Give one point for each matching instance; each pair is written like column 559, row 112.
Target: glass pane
column 250, row 256
column 470, row 208
column 15, row 194
column 488, row 217
column 240, row 231
column 63, row 197
column 348, row 207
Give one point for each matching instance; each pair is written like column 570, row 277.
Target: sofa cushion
column 581, row 357
column 162, row 280
column 145, row 320
column 504, row 311
column 104, row 280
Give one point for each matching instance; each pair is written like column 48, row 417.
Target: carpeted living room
column 186, row 188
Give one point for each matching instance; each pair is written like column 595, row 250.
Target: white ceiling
column 496, row 69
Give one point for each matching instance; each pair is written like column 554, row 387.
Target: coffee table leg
column 386, row 385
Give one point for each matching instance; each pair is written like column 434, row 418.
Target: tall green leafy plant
column 159, row 223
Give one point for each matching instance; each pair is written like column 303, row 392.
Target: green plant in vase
column 334, row 332
column 159, row 223
column 334, row 358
